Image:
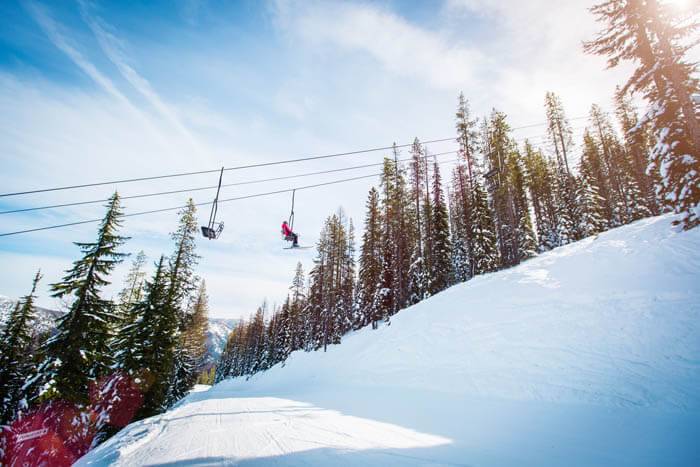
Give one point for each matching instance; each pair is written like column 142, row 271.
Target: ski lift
column 294, row 237
column 213, row 230
column 290, row 222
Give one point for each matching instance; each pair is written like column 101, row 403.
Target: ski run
column 587, row 355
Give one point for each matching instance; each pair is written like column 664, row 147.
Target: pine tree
column 131, row 294
column 441, row 254
column 590, row 219
column 191, row 348
column 540, row 181
column 484, row 248
column 525, row 242
column 638, row 148
column 370, row 263
column 15, row 355
column 133, row 284
column 299, row 326
column 594, row 176
column 560, row 136
column 135, row 390
column 256, row 342
column 399, row 215
column 182, row 284
column 657, row 40
column 332, row 282
column 78, row 353
column 384, row 298
column 498, row 151
column 460, row 204
column 613, row 166
column 467, row 137
column 568, row 212
column 418, row 273
column 559, row 130
column 464, row 179
column 139, row 347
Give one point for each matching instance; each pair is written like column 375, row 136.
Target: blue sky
column 101, row 90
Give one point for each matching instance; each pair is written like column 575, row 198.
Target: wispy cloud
column 54, row 32
column 113, row 47
column 400, row 46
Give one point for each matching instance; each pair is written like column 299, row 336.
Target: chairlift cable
column 249, row 166
column 188, row 190
column 207, row 203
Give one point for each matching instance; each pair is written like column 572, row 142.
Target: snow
column 200, row 388
column 586, row 355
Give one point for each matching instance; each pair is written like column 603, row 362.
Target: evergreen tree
column 460, row 204
column 568, row 212
column 138, row 345
column 498, row 151
column 332, row 282
column 467, row 137
column 638, row 148
column 525, row 242
column 418, row 273
column 540, row 181
column 594, row 176
column 657, row 39
column 560, row 136
column 464, row 180
column 370, row 263
column 484, row 250
column 559, row 130
column 441, row 254
column 399, row 215
column 191, row 348
column 182, row 284
column 298, row 323
column 384, row 298
column 15, row 355
column 133, row 284
column 78, row 353
column 134, row 389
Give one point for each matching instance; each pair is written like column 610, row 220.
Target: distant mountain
column 217, row 335
column 45, row 318
column 219, row 329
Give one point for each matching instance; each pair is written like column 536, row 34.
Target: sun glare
column 679, row 4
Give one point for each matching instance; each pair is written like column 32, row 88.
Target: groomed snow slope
column 587, row 355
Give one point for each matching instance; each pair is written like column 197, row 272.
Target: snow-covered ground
column 588, row 355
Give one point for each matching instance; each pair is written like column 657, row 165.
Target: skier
column 289, row 235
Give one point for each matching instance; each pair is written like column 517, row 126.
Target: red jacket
column 286, row 230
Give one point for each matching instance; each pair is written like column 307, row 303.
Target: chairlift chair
column 213, row 230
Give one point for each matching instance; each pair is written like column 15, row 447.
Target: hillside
column 586, row 355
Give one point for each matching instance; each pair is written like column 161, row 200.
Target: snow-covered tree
column 79, row 352
column 15, row 355
column 657, row 38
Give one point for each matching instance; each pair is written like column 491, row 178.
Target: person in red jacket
column 289, row 235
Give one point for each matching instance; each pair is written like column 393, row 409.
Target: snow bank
column 587, row 355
